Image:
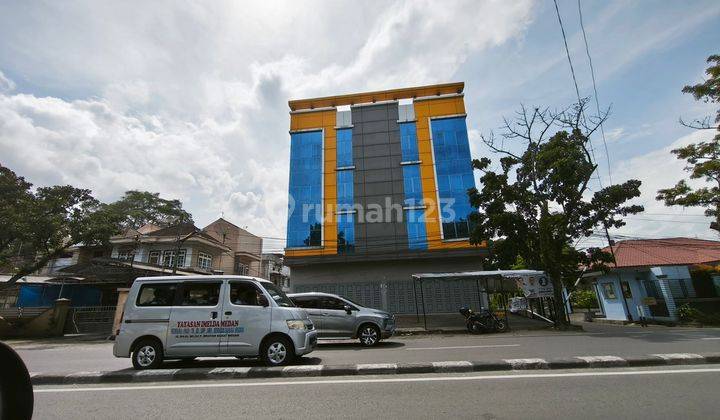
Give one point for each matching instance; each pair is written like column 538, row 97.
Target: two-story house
column 183, row 247
column 221, row 248
column 245, row 248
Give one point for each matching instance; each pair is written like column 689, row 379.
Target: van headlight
column 296, row 324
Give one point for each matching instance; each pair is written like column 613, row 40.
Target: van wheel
column 277, row 351
column 148, row 354
column 369, row 335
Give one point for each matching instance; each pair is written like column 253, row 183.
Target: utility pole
column 622, row 293
column 179, row 241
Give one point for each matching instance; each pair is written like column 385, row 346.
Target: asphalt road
column 667, row 392
column 597, row 340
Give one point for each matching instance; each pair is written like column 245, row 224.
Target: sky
column 189, row 99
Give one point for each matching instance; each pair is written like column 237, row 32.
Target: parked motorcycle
column 482, row 321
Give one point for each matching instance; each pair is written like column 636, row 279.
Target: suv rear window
column 307, row 302
column 162, row 294
column 327, row 302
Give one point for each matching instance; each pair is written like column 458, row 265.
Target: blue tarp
column 44, row 295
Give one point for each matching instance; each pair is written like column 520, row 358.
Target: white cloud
column 657, row 170
column 190, row 100
column 6, row 85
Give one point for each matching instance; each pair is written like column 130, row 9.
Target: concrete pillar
column 60, row 311
column 669, row 299
column 122, row 298
column 383, row 295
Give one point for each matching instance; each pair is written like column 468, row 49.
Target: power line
column 597, row 101
column 567, row 51
column 575, row 83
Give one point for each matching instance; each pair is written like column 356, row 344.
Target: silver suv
column 337, row 317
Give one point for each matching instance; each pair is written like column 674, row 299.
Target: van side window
column 242, row 293
column 200, row 294
column 162, row 294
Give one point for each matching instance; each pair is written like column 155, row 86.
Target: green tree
column 538, row 202
column 37, row 226
column 137, row 208
column 703, row 158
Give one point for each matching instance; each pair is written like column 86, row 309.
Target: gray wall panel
column 376, row 154
column 373, row 127
column 377, row 150
column 388, row 285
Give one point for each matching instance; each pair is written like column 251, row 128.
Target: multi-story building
column 275, row 270
column 378, row 191
column 245, row 248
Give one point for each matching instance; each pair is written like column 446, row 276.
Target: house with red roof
column 652, row 278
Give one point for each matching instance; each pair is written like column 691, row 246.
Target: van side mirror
column 262, row 301
column 348, row 310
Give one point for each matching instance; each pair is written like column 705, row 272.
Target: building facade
column 181, row 247
column 377, row 192
column 653, row 278
column 273, row 268
column 245, row 253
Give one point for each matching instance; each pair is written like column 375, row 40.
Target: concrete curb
column 183, row 374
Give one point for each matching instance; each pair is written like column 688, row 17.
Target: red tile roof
column 670, row 251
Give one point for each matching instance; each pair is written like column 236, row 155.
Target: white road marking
column 679, row 356
column 601, row 359
column 459, row 366
column 710, row 338
column 526, row 363
column 593, row 373
column 463, row 347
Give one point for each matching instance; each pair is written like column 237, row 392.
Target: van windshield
column 278, row 295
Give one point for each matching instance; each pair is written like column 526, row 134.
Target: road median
column 455, row 366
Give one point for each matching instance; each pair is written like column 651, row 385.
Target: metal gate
column 399, row 296
column 92, row 319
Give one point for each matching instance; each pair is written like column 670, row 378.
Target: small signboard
column 535, row 286
column 649, row 301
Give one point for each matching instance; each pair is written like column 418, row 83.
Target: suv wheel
column 148, row 354
column 277, row 351
column 369, row 335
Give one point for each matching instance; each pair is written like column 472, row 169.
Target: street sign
column 535, row 286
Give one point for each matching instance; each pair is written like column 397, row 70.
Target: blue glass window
column 346, row 227
column 346, row 233
column 454, row 175
column 304, row 227
column 345, row 190
column 415, row 222
column 344, row 147
column 408, row 142
column 412, row 185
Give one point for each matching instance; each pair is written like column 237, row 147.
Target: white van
column 183, row 317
